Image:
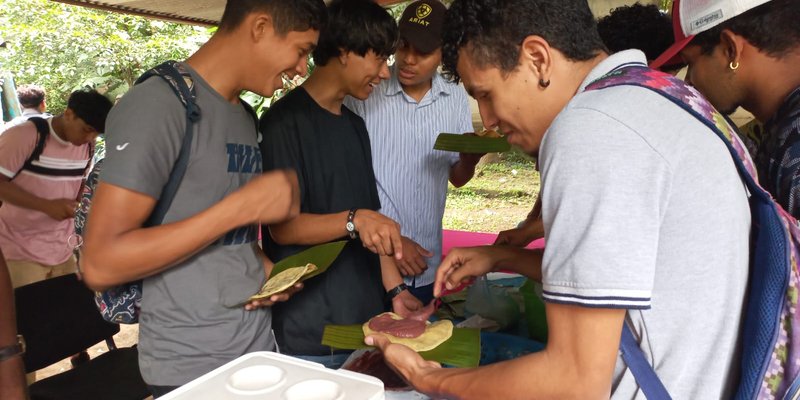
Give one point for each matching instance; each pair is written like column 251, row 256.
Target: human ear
column 731, row 46
column 535, row 56
column 261, row 26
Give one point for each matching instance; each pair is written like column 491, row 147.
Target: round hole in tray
column 255, row 379
column 315, row 389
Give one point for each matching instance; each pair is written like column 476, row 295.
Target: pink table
column 452, row 239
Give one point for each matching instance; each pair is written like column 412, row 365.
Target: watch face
column 350, row 227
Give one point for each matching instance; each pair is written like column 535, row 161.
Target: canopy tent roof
column 197, row 12
column 209, row 12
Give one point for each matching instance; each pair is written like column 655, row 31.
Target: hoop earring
column 544, row 83
column 733, row 66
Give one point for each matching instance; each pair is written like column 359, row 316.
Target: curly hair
column 493, row 31
column 30, row 96
column 637, row 26
column 90, row 106
column 771, row 27
column 358, row 26
column 287, row 15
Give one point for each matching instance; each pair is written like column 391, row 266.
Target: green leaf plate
column 470, row 144
column 322, row 256
column 463, row 349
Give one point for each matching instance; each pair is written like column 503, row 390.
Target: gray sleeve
column 604, row 191
column 143, row 138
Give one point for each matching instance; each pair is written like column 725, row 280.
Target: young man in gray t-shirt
column 646, row 217
column 201, row 265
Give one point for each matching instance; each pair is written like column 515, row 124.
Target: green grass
column 498, row 197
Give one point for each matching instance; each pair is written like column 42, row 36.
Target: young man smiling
column 310, row 131
column 646, row 218
column 203, row 262
column 404, row 116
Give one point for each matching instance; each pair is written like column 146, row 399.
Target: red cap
column 672, row 56
column 690, row 17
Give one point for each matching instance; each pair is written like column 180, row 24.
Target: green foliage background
column 64, row 48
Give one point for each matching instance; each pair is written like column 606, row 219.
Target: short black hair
column 358, row 26
column 637, row 26
column 772, row 27
column 90, row 106
column 495, row 29
column 30, row 96
column 287, row 15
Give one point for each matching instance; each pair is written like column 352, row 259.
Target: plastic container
column 491, row 302
column 268, row 375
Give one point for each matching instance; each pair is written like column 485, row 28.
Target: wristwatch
column 13, row 350
column 350, row 226
column 391, row 294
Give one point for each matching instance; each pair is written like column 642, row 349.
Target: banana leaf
column 322, row 256
column 463, row 349
column 470, row 144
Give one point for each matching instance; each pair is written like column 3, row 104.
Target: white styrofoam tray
column 268, row 375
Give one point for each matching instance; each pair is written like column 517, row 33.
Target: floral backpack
column 121, row 304
column 770, row 357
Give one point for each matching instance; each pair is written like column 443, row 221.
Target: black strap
column 42, row 130
column 176, row 80
column 180, row 81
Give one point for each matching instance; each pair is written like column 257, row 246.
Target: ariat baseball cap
column 690, row 17
column 421, row 25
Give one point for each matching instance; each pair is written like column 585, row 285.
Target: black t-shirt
column 332, row 157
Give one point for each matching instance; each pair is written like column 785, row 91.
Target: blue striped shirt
column 411, row 176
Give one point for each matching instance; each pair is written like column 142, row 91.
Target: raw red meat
column 402, row 328
column 423, row 313
column 372, row 363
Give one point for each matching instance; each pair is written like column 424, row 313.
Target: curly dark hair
column 495, row 29
column 30, row 96
column 772, row 27
column 90, row 106
column 287, row 15
column 637, row 26
column 358, row 26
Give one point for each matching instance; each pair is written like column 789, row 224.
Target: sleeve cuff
column 598, row 298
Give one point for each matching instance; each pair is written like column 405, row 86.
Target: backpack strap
column 642, row 371
column 691, row 101
column 180, row 81
column 32, row 162
column 42, row 130
column 769, row 282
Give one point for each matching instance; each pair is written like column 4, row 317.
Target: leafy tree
column 64, row 48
